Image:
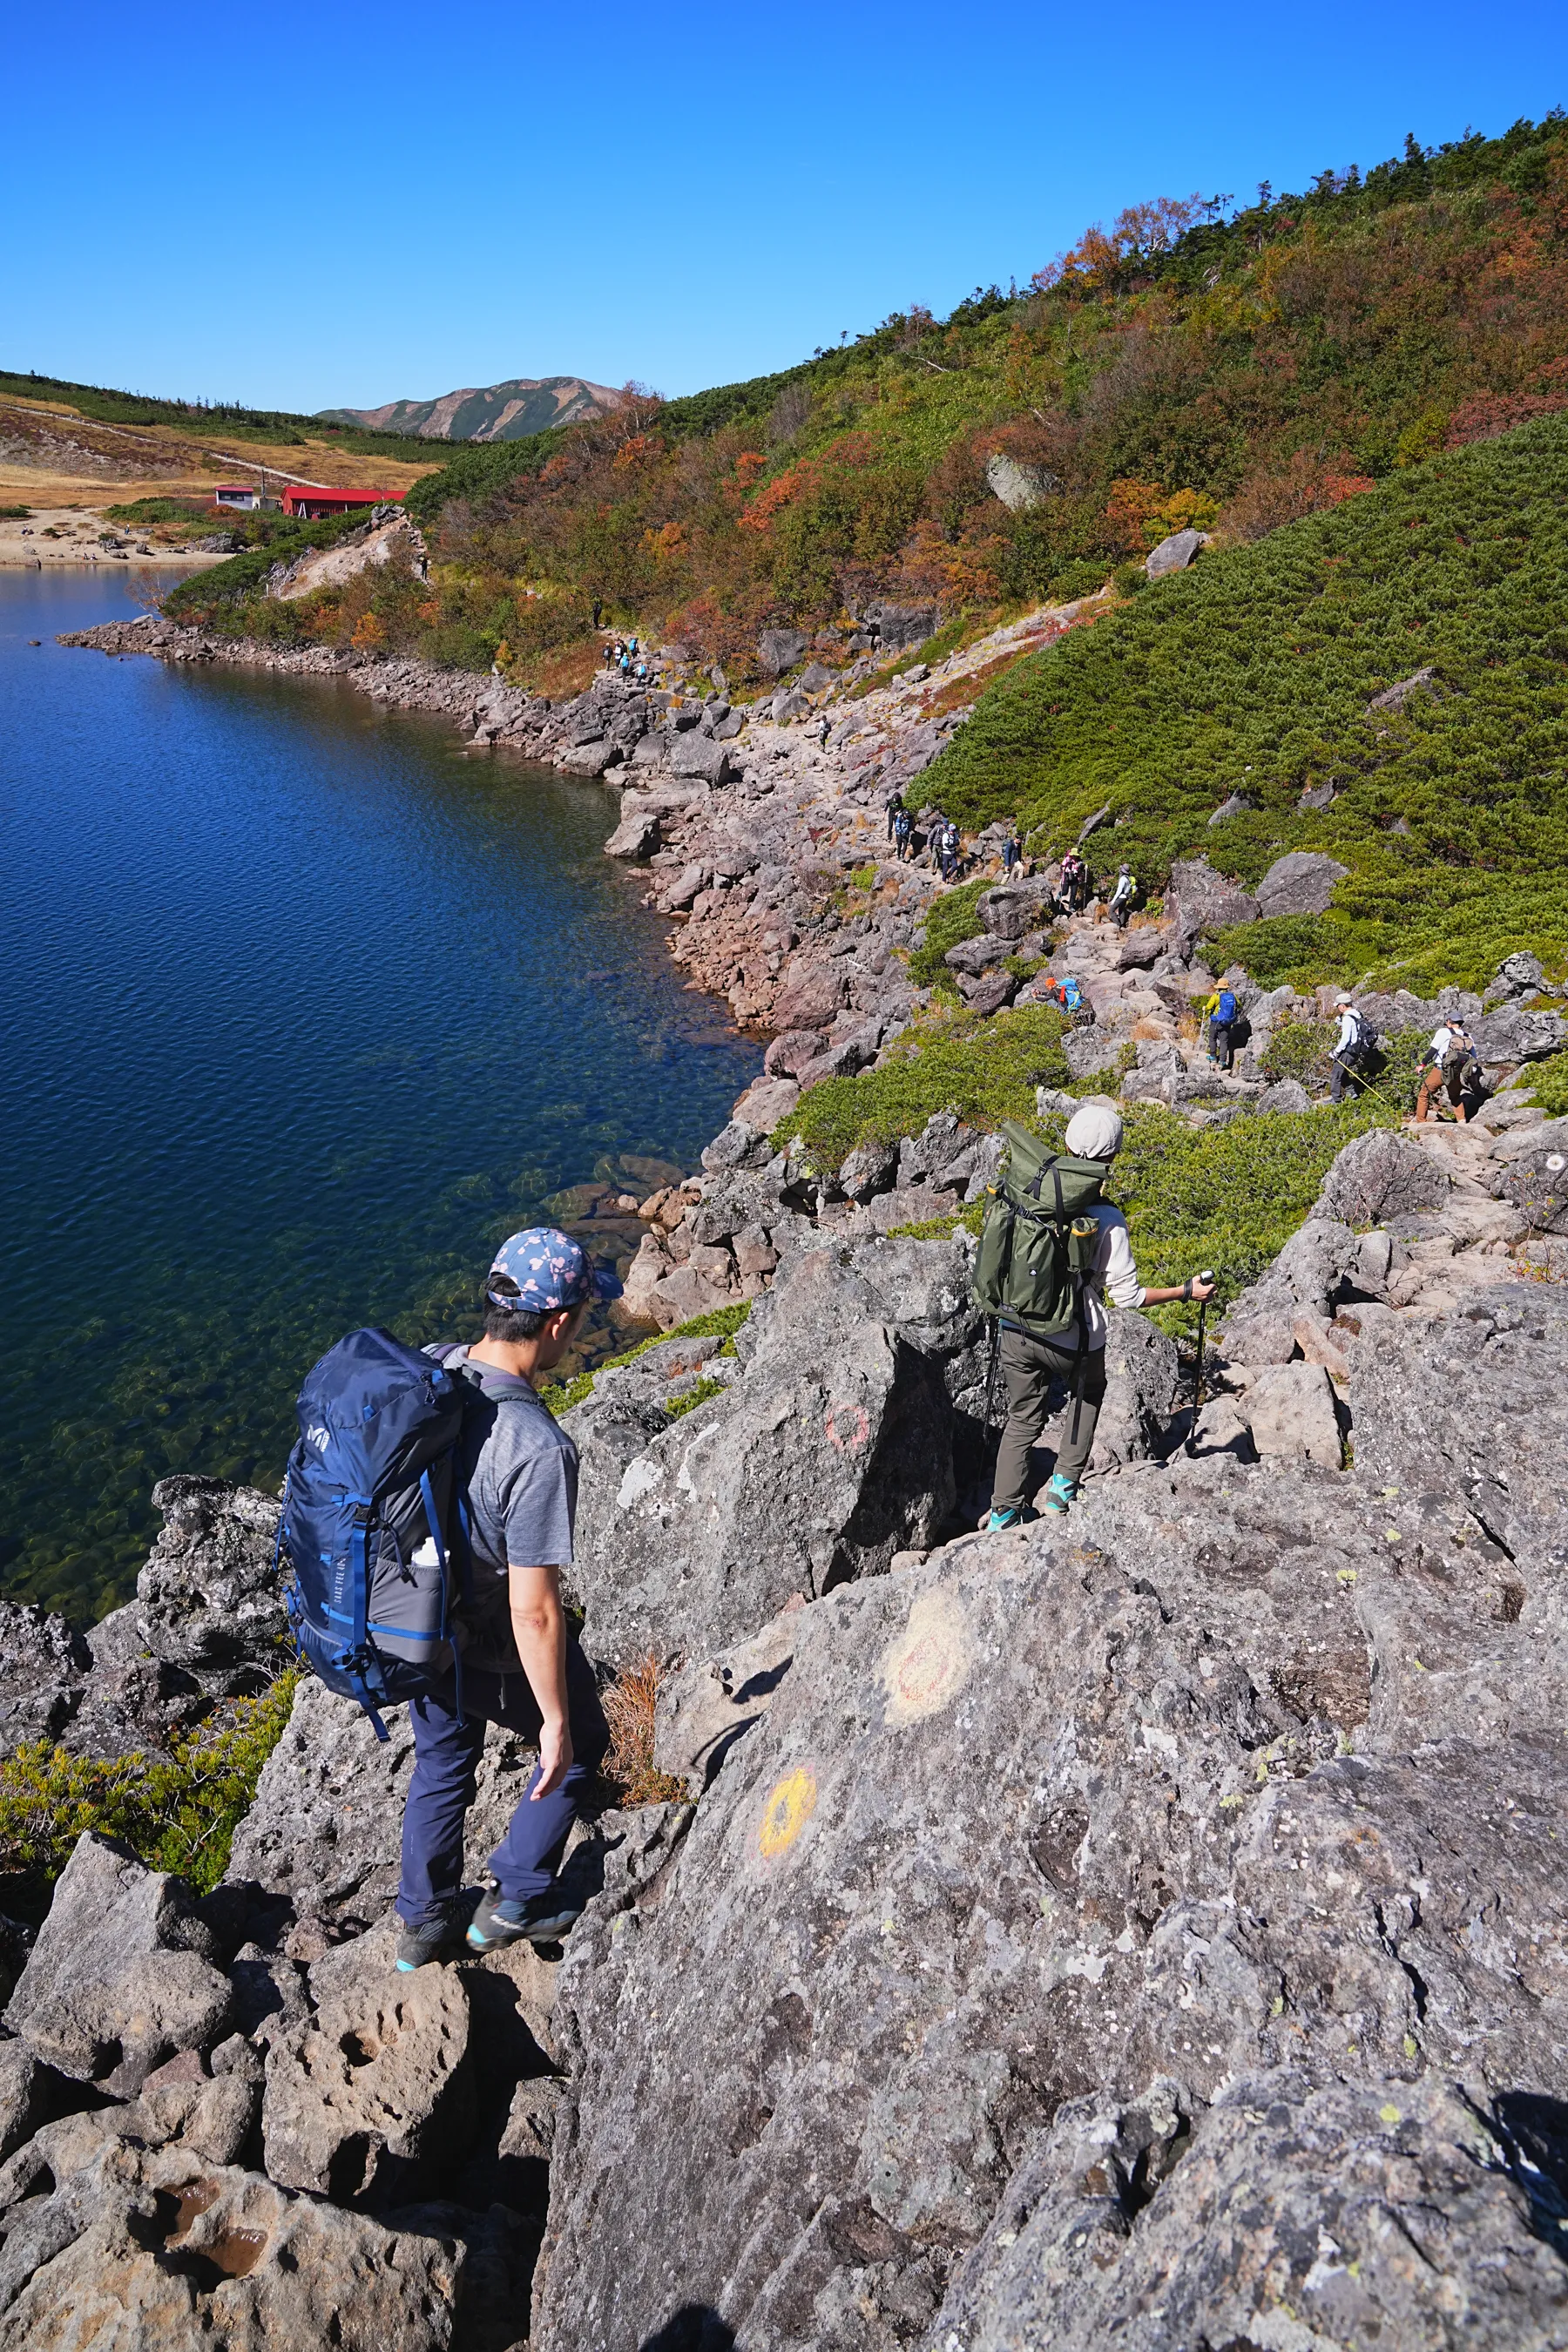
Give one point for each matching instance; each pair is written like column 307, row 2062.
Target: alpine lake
column 303, row 1007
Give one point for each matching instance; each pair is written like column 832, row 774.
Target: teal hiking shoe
column 1010, row 1517
column 544, row 1919
column 433, row 1939
column 1060, row 1495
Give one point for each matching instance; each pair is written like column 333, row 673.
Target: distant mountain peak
column 496, row 411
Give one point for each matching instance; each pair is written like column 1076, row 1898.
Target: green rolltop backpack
column 1038, row 1242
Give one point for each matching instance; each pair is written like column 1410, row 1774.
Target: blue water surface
column 302, row 1007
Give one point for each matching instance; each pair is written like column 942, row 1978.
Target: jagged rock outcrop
column 1325, row 2215
column 122, row 1975
column 832, row 1452
column 1246, row 1776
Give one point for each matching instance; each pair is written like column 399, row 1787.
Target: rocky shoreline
column 1148, row 1927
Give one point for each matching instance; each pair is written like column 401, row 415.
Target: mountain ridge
column 509, row 411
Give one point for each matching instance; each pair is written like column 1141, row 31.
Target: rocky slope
column 498, row 411
column 1147, row 1928
column 1145, row 1925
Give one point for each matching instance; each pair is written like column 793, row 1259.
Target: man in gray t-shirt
column 521, row 1663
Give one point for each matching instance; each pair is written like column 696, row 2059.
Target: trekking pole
column 1206, row 1276
column 991, row 1371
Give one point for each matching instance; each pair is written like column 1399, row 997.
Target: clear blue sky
column 307, row 205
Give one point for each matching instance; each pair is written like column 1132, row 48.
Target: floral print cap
column 551, row 1271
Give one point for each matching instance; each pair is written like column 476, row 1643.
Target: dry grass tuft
column 628, row 1710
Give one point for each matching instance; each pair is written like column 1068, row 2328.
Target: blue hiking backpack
column 372, row 1515
column 1072, row 994
column 1225, row 1011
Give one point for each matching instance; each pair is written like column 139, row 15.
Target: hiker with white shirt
column 1450, row 1057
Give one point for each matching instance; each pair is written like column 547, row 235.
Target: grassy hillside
column 278, row 428
column 1252, row 674
column 1185, row 364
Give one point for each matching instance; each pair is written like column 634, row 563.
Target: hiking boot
column 543, row 1919
column 1060, row 1495
column 1011, row 1516
column 433, row 1939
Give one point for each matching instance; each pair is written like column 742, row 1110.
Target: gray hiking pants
column 1029, row 1368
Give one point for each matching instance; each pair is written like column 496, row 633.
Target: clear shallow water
column 302, row 1009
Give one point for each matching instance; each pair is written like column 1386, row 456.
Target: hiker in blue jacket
column 521, row 1663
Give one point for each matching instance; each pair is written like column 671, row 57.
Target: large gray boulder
column 1142, row 1391
column 376, row 2089
column 122, row 1975
column 161, row 2249
column 1203, row 901
column 698, row 755
column 1380, row 1175
column 1019, row 486
column 1535, row 1178
column 831, row 1453
column 1299, row 883
column 1475, row 1405
column 1174, row 553
column 780, row 649
column 900, row 626
column 43, row 1664
column 1281, row 2214
column 1013, row 909
column 1125, row 1809
column 207, row 1602
column 637, row 835
column 1515, row 1034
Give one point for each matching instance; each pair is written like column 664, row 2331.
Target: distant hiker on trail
column 1450, row 1057
column 895, row 810
column 903, row 825
column 1010, row 854
column 1352, row 1050
column 1120, row 905
column 1051, row 1249
column 598, row 608
column 1223, row 1013
column 1075, row 881
column 950, row 853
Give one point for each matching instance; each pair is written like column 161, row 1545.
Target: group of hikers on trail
column 1450, row 1066
column 624, row 654
column 431, row 1502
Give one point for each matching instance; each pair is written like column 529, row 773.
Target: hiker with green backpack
column 1051, row 1249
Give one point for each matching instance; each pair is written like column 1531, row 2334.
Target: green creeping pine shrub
column 159, row 511
column 1225, row 1197
column 1301, row 1049
column 176, row 1812
column 476, row 470
column 983, row 1071
column 1305, row 950
column 719, row 1323
column 1254, row 673
column 949, row 919
column 1548, row 1083
column 699, row 1393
